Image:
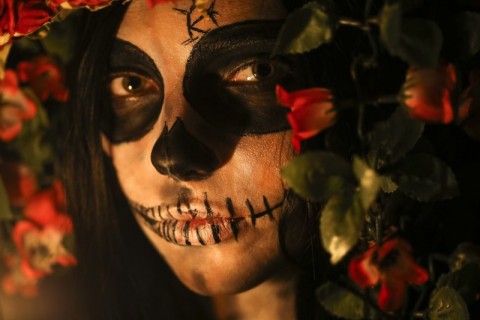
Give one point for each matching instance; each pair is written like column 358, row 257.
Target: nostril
column 182, row 156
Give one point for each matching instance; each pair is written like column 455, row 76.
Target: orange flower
column 427, row 93
column 15, row 107
column 392, row 265
column 312, row 112
column 39, row 238
column 20, row 182
column 44, row 77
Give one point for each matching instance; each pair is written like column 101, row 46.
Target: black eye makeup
column 230, row 78
column 135, row 90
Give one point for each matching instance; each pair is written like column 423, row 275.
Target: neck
column 272, row 299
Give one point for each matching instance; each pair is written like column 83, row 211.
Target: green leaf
column 425, row 178
column 340, row 302
column 387, row 185
column 369, row 182
column 447, row 304
column 318, row 175
column 390, row 23
column 341, row 224
column 466, row 281
column 416, row 41
column 5, row 211
column 462, row 39
column 305, row 29
column 393, row 138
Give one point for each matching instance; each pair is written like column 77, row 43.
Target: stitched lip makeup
column 184, row 224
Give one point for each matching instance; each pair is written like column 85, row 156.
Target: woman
column 191, row 142
column 173, row 159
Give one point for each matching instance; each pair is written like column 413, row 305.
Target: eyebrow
column 126, row 56
column 260, row 34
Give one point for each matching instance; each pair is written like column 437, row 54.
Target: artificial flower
column 311, row 112
column 471, row 106
column 392, row 265
column 18, row 18
column 427, row 93
column 15, row 106
column 152, row 3
column 20, row 182
column 39, row 237
column 69, row 4
column 15, row 280
column 44, row 76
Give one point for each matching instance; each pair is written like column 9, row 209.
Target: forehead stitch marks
column 191, row 22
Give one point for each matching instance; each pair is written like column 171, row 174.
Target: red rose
column 392, row 265
column 45, row 78
column 15, row 106
column 20, row 182
column 427, row 93
column 152, row 3
column 21, row 17
column 312, row 112
column 39, row 238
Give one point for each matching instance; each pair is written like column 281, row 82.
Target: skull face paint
column 229, row 238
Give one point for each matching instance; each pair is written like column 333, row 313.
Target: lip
column 190, row 228
column 199, row 223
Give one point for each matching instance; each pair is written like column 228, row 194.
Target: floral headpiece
column 377, row 275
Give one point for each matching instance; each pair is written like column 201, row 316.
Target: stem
column 361, row 104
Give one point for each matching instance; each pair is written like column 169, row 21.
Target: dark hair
column 121, row 275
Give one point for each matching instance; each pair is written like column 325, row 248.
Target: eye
column 253, row 72
column 131, row 85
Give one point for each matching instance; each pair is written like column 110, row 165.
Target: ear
column 106, row 145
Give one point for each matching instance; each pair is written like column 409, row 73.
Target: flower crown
column 376, row 273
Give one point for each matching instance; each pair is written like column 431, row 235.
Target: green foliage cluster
column 395, row 156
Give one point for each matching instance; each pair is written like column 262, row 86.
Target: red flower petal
column 152, row 3
column 428, row 93
column 312, row 112
column 392, row 294
column 362, row 271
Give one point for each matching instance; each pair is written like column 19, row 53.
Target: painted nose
column 180, row 155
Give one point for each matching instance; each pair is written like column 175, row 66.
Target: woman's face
column 197, row 138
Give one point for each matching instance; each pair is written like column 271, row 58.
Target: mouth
column 199, row 223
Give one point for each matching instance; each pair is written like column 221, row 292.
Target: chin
column 230, row 267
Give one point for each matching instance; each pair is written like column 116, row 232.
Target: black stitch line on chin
column 178, row 207
column 165, row 230
column 159, row 212
column 186, row 234
column 229, row 204
column 168, row 211
column 252, row 212
column 174, row 227
column 268, row 209
column 208, row 209
column 199, row 237
column 216, row 231
column 234, row 225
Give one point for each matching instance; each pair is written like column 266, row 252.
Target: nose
column 182, row 156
